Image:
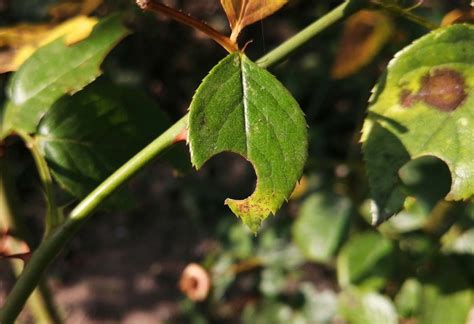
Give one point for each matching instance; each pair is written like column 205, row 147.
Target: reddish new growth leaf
column 242, row 13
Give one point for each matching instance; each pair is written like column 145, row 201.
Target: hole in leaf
column 234, row 177
column 427, row 178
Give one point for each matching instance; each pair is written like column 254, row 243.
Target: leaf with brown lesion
column 242, row 13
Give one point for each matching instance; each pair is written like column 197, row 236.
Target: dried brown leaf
column 364, row 35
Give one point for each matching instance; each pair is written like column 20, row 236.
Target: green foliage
column 366, row 260
column 56, row 70
column 87, row 136
column 241, row 108
column 319, row 262
column 423, row 106
column 321, row 226
column 363, row 308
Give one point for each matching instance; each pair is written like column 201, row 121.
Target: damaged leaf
column 242, row 108
column 21, row 41
column 423, row 106
column 56, row 70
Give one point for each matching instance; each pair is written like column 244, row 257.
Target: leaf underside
column 242, row 108
column 423, row 106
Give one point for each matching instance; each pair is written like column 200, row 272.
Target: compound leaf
column 423, row 106
column 55, row 70
column 242, row 108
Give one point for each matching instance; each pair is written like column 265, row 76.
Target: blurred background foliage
column 318, row 260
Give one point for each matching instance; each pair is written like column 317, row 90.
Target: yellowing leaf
column 23, row 40
column 364, row 35
column 71, row 8
column 242, row 13
column 458, row 16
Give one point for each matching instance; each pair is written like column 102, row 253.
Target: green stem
column 405, row 13
column 53, row 217
column 40, row 303
column 298, row 40
column 51, row 247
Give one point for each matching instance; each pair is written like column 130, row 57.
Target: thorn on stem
column 183, row 136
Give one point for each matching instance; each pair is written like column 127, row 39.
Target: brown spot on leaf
column 244, row 207
column 444, row 89
column 407, row 98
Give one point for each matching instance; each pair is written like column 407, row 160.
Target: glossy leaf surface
column 423, row 106
column 242, row 108
column 87, row 136
column 55, row 70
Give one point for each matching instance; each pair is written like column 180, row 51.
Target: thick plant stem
column 51, row 247
column 40, row 302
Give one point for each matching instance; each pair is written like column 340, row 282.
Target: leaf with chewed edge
column 423, row 106
column 57, row 69
column 242, row 108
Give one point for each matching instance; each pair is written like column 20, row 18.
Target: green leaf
column 366, row 308
column 366, row 260
column 408, row 300
column 55, row 70
column 321, row 225
column 423, row 106
column 87, row 136
column 447, row 295
column 457, row 241
column 241, row 108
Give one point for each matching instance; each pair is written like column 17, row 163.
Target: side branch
column 155, row 6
